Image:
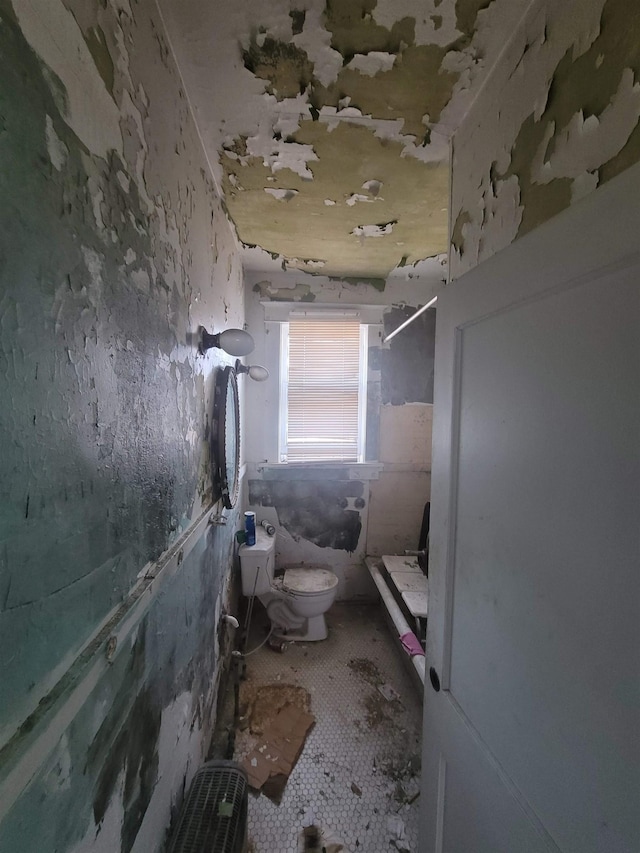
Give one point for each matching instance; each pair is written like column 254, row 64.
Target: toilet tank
column 258, row 561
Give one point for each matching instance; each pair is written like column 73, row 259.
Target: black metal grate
column 214, row 816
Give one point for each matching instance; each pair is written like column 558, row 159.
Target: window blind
column 323, row 390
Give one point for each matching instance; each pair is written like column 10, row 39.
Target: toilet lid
column 308, row 581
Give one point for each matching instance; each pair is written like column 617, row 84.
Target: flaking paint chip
column 373, row 230
column 354, row 198
column 372, row 187
column 281, row 195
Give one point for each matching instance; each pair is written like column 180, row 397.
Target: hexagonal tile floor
column 358, row 775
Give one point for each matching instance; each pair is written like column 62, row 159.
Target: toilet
column 295, row 602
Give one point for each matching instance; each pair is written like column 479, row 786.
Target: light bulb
column 234, row 341
column 259, row 373
column 255, row 371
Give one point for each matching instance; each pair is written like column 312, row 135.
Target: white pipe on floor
column 397, row 617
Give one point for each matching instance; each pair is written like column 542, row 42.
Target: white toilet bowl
column 297, row 601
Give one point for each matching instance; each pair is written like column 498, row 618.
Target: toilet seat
column 308, row 581
column 297, row 601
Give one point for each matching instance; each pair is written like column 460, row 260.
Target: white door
column 532, row 742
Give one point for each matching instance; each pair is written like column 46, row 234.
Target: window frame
column 283, row 391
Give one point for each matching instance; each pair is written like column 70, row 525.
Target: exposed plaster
column 315, row 39
column 425, row 31
column 115, row 249
column 567, row 119
column 314, row 510
column 585, row 143
column 296, row 293
column 179, row 748
column 297, row 20
column 458, row 233
column 58, row 151
column 97, row 44
column 297, row 539
column 281, row 195
column 105, row 836
column 373, row 187
column 86, row 105
column 467, row 13
column 405, row 70
column 286, row 66
column 334, row 241
column 628, row 156
column 354, row 29
column 396, row 93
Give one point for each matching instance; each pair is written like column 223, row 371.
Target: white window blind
column 324, row 363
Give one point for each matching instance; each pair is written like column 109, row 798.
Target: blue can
column 250, row 528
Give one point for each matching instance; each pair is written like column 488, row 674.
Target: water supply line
column 249, row 614
column 238, row 654
column 238, row 663
column 242, row 654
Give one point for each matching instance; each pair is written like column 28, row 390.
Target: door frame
column 543, row 266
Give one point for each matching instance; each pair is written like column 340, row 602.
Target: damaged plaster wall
column 330, row 135
column 335, row 515
column 398, row 496
column 559, row 116
column 114, row 247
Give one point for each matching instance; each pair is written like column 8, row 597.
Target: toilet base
column 315, row 629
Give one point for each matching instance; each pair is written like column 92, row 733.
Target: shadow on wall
column 407, row 365
column 98, row 473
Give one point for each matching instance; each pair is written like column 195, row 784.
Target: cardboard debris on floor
column 274, row 756
column 264, row 702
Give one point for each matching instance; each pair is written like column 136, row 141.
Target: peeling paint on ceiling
column 568, row 119
column 304, row 107
column 335, row 238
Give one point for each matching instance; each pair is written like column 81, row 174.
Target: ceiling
column 327, row 122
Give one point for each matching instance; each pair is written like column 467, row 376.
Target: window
column 323, row 389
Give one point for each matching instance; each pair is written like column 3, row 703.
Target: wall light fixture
column 255, row 371
column 232, row 341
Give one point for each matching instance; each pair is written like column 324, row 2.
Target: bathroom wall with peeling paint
column 334, row 515
column 114, row 247
column 559, row 116
column 330, row 136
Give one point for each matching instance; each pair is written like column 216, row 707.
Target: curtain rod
column 410, row 319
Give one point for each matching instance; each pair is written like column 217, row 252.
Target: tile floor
column 358, row 775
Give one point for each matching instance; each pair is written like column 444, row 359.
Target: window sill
column 320, row 470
